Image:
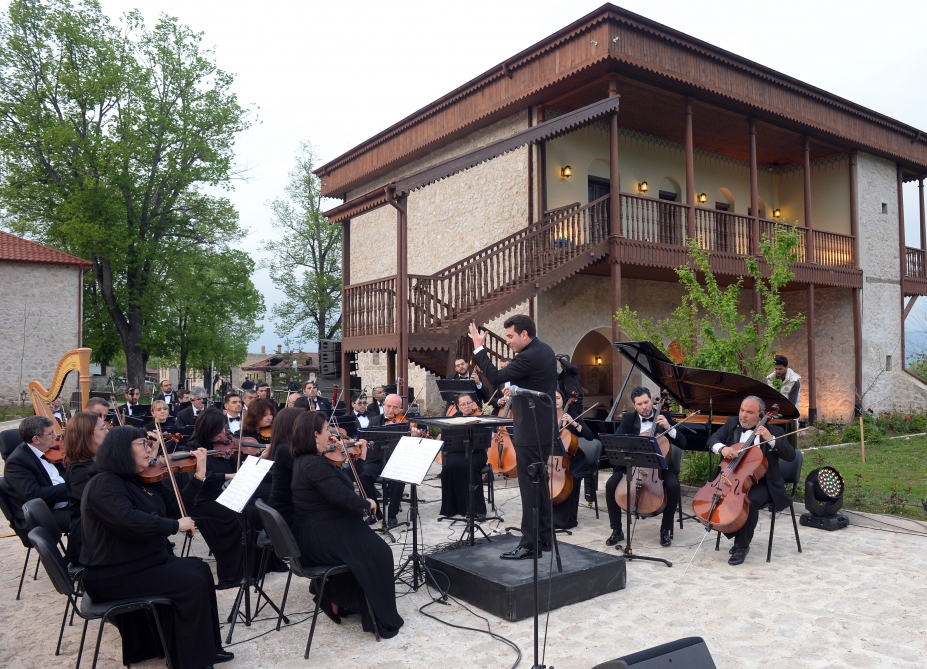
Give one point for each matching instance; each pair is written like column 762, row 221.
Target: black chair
column 87, row 609
column 6, row 505
column 791, row 473
column 9, row 440
column 489, row 478
column 265, row 546
column 676, row 456
column 38, row 514
column 593, row 451
column 287, row 550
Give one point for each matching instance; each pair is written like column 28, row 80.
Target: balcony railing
column 914, row 263
column 370, row 308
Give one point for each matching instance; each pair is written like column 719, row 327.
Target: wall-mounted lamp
column 702, row 198
column 642, row 187
column 777, row 213
column 598, row 360
column 566, row 172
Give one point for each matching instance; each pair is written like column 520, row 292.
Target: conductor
column 534, row 367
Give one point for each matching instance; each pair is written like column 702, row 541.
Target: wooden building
column 564, row 182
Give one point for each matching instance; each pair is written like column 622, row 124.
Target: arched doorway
column 593, row 356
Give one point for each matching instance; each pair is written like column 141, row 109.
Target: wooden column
column 531, row 177
column 402, row 303
column 902, row 255
column 390, row 367
column 542, row 170
column 614, row 222
column 690, row 173
column 345, row 281
column 809, row 237
column 920, row 188
column 754, row 210
column 856, row 293
column 809, row 297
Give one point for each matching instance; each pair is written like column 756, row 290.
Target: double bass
column 648, row 497
column 723, row 504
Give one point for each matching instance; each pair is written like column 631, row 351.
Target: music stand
column 451, row 389
column 633, row 451
column 471, row 423
column 384, row 439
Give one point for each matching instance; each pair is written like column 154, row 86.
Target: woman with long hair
column 330, row 529
column 258, row 417
column 281, row 495
column 126, row 553
column 82, row 438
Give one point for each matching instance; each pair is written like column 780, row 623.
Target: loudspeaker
column 688, row 653
column 329, row 356
column 329, row 345
column 331, row 369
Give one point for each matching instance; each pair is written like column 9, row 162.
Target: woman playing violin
column 566, row 513
column 82, row 438
column 256, row 425
column 160, row 414
column 330, row 530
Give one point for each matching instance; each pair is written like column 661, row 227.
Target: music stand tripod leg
column 420, row 570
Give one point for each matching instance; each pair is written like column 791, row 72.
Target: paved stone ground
column 853, row 598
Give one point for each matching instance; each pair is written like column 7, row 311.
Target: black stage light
column 824, row 498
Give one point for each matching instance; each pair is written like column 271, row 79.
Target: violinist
column 197, row 404
column 566, row 513
column 30, row 475
column 126, row 554
column 771, row 488
column 279, row 451
column 330, row 530
column 231, row 403
column 392, row 413
column 247, row 398
column 291, row 399
column 454, row 475
column 258, row 420
column 99, row 406
column 82, row 440
column 636, row 422
column 160, row 414
column 373, row 463
column 316, row 403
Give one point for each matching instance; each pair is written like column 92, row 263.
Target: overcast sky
column 336, row 73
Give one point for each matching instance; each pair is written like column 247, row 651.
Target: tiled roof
column 17, row 249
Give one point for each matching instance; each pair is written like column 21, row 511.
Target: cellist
column 737, row 430
column 566, row 513
column 637, row 422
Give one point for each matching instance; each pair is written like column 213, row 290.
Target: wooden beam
column 809, row 238
column 754, row 192
column 920, row 189
column 690, row 173
column 812, row 375
column 614, row 189
column 856, row 293
column 345, row 281
column 902, row 254
column 907, row 309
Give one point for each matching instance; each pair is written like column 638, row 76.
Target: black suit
column 770, row 488
column 323, row 404
column 124, row 410
column 631, row 424
column 186, row 416
column 373, row 466
column 482, row 393
column 27, row 479
column 160, row 396
column 534, row 368
column 374, row 408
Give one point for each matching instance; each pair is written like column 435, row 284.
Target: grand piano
column 717, row 395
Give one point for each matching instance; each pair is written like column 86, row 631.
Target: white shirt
column 234, row 423
column 51, row 470
column 169, row 398
column 647, row 424
column 745, row 438
column 362, row 421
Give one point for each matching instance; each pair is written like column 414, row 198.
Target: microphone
column 515, row 390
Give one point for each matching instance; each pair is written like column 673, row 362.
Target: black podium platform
column 505, row 588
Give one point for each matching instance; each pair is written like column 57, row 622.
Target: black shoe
column 392, row 522
column 617, row 535
column 326, row 607
column 739, row 555
column 372, row 520
column 731, row 552
column 520, row 553
column 480, row 517
column 665, row 539
column 224, row 656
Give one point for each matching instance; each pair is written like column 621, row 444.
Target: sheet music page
column 411, row 460
column 249, row 477
column 460, row 420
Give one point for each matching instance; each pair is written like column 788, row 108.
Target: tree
column 305, row 262
column 109, row 140
column 707, row 329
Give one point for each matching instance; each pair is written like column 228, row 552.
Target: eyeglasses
column 360, row 402
column 143, row 444
column 102, row 428
column 199, row 399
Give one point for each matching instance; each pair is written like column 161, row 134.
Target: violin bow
column 344, row 449
column 572, row 420
column 170, row 472
column 115, row 406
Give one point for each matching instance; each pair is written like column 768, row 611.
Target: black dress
column 75, row 478
column 454, row 478
column 281, row 494
column 330, row 530
column 566, row 513
column 126, row 554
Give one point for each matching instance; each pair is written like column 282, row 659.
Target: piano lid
column 701, row 389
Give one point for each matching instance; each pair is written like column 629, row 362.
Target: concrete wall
column 40, row 323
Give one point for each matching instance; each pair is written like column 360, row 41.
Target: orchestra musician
column 770, row 488
column 568, row 380
column 359, row 412
column 126, row 554
column 160, row 414
column 636, row 422
column 566, row 514
column 247, row 397
column 533, row 367
column 378, row 395
column 232, row 405
column 279, row 451
column 197, row 404
column 330, row 530
column 462, row 372
column 31, row 476
column 392, row 409
column 291, row 399
column 263, row 390
column 258, row 420
column 132, row 396
column 82, row 439
column 98, row 406
column 316, row 403
column 167, row 392
column 454, row 476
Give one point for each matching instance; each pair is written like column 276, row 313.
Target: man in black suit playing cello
column 534, row 367
column 769, row 488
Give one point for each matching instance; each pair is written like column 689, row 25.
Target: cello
column 503, row 451
column 558, row 466
column 723, row 504
column 648, row 497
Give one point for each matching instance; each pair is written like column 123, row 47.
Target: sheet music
column 411, row 460
column 246, row 481
column 460, row 420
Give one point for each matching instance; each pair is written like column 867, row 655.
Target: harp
column 75, row 360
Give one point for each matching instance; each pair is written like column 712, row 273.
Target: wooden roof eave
column 542, row 132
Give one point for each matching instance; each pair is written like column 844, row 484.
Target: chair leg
column 595, row 501
column 718, row 542
column 315, row 616
column 96, row 651
column 373, row 617
column 164, row 647
column 772, row 528
column 795, row 525
column 80, row 651
column 286, row 591
column 64, row 619
column 262, row 571
column 36, row 574
column 23, row 575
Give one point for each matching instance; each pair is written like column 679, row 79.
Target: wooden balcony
column 915, row 274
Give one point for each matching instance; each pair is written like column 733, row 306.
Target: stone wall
column 40, row 323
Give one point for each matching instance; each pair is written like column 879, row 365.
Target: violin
column 337, row 456
column 181, row 461
column 558, row 466
column 723, row 504
column 230, row 446
column 55, row 454
column 648, row 497
column 265, row 432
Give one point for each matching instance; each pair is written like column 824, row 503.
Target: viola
column 648, row 497
column 723, row 504
column 229, row 446
column 558, row 466
column 336, row 455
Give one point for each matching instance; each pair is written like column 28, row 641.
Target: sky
column 336, row 73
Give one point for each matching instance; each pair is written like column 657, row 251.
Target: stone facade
column 42, row 321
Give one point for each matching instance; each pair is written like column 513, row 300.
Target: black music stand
column 630, row 451
column 476, row 421
column 384, row 438
column 451, row 389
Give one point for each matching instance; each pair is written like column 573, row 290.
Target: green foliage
column 695, row 468
column 113, row 141
column 305, row 261
column 708, row 327
column 917, row 364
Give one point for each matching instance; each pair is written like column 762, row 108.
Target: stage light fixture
column 566, row 172
column 824, row 490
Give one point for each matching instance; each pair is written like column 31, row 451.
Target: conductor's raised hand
column 478, row 338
